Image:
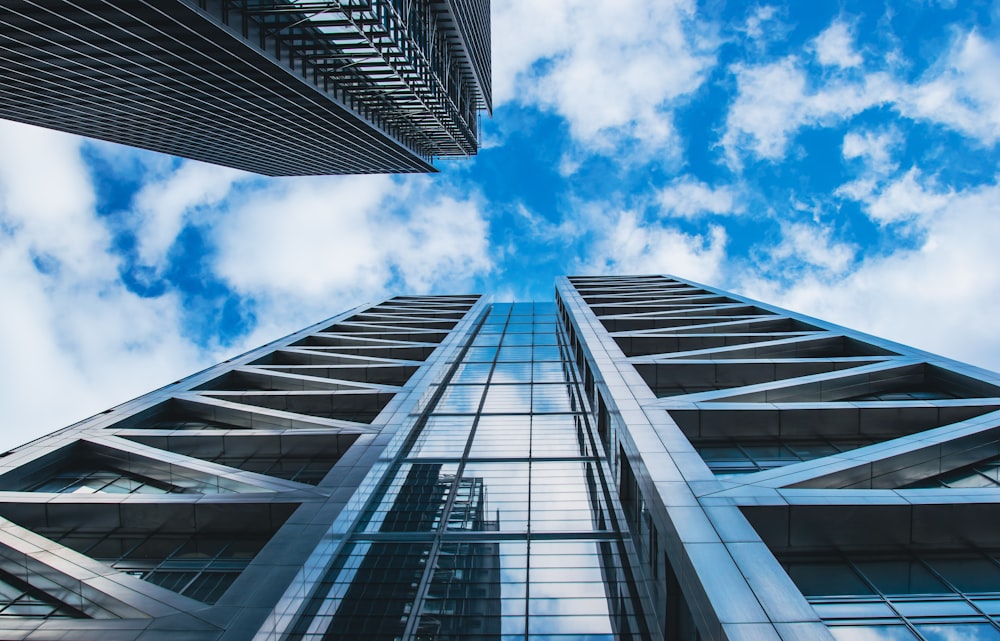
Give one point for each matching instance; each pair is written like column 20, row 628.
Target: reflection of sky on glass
column 480, row 354
column 510, row 353
column 988, row 605
column 872, row 633
column 548, row 372
column 547, row 353
column 512, row 373
column 502, row 437
column 551, row 398
column 544, row 339
column 442, row 436
column 556, row 435
column 487, row 340
column 848, row 610
column 938, row 607
column 557, row 591
column 959, row 632
column 471, row 373
column 517, row 340
column 560, row 498
column 508, row 399
column 460, row 399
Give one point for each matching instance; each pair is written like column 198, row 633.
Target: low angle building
column 276, row 87
column 641, row 458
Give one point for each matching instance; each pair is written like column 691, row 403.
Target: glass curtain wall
column 496, row 522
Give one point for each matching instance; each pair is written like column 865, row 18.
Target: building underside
column 276, row 87
column 643, row 458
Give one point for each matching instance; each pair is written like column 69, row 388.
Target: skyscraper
column 277, row 87
column 643, row 458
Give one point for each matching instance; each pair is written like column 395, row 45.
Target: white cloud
column 874, row 148
column 624, row 244
column 835, row 46
column 304, row 247
column 760, row 23
column 943, row 296
column 165, row 203
column 905, row 198
column 75, row 341
column 611, row 68
column 777, row 99
column 689, row 197
column 443, row 242
column 813, row 245
column 546, row 230
column 961, row 91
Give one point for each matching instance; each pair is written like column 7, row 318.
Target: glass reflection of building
column 645, row 458
column 495, row 509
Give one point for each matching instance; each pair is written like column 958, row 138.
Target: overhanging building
column 277, row 87
column 644, row 458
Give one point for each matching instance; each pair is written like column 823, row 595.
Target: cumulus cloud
column 75, row 341
column 835, row 46
column 942, row 296
column 689, row 197
column 625, row 244
column 910, row 197
column 761, row 23
column 169, row 199
column 874, row 148
column 775, row 100
column 812, row 245
column 961, row 91
column 304, row 247
column 611, row 68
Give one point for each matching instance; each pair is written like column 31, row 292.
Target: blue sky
column 839, row 159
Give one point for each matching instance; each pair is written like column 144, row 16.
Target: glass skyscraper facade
column 644, row 458
column 496, row 519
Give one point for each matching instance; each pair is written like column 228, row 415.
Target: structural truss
column 644, row 459
column 789, row 478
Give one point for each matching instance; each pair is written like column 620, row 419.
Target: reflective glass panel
column 959, row 632
column 872, row 633
column 506, row 450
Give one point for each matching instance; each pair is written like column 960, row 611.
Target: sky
column 839, row 159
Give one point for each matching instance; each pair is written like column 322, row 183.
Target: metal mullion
column 207, row 113
column 421, row 594
column 352, row 130
column 953, row 587
column 641, row 612
column 422, row 101
column 203, row 570
column 864, row 579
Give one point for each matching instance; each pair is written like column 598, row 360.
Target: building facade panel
column 789, row 476
column 646, row 458
column 273, row 87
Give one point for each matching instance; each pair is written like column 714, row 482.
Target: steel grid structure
column 274, row 87
column 644, row 458
column 788, row 478
column 189, row 511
